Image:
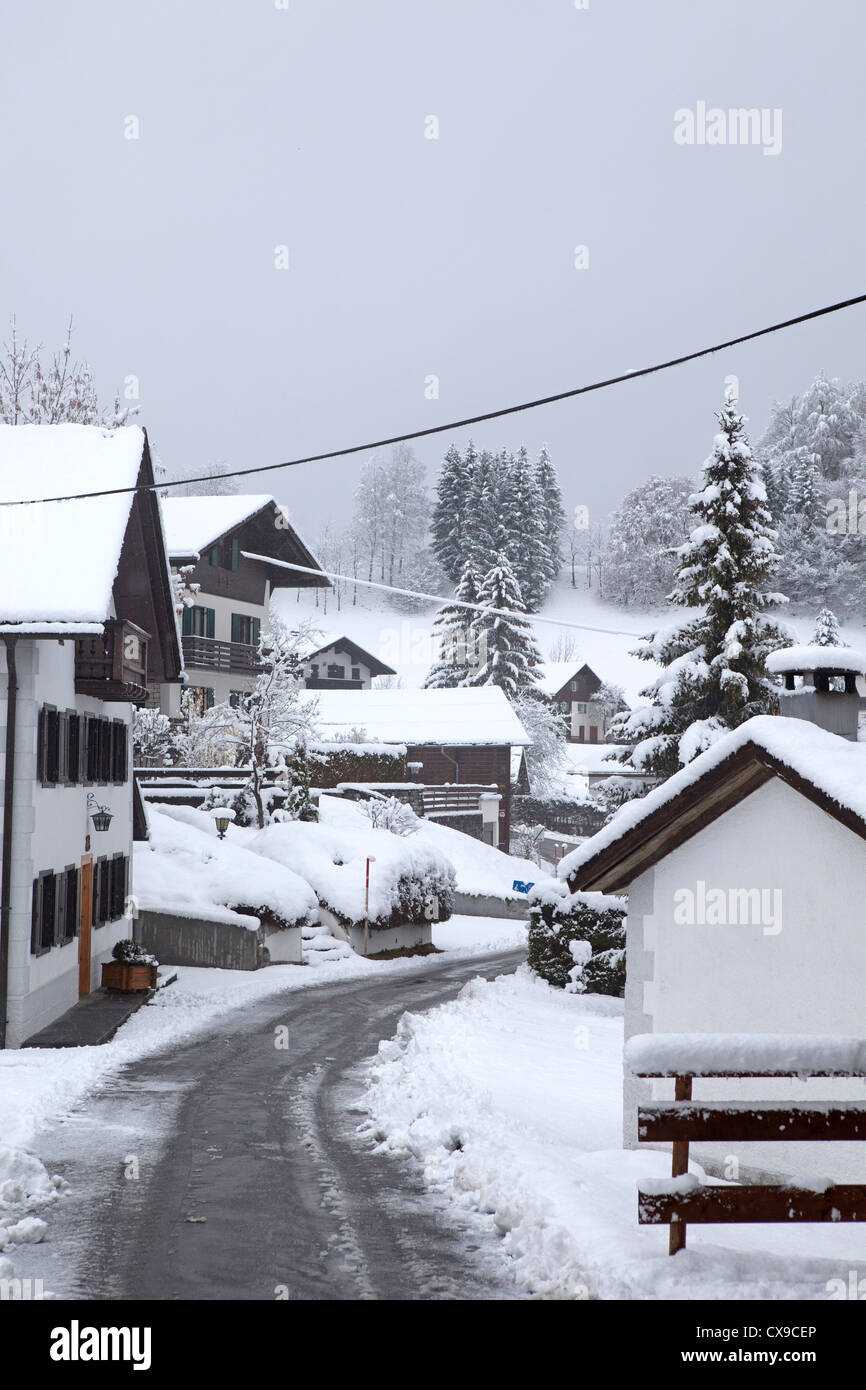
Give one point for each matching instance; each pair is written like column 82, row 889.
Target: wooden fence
column 687, row 1121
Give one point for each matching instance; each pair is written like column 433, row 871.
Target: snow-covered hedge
column 405, row 877
column 186, row 870
column 333, row 763
column 577, row 940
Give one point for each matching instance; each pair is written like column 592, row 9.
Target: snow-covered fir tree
column 456, row 652
column 645, row 534
column 506, row 645
column 827, row 632
column 714, row 674
column 553, row 520
column 448, row 522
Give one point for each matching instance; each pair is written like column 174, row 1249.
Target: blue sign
column 521, row 887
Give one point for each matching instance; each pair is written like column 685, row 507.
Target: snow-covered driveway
column 230, row 1167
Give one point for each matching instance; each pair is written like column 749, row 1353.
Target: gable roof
column 450, row 718
column 194, row 524
column 63, row 563
column 324, row 641
column 555, row 674
column 827, row 770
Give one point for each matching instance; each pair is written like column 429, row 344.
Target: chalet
column 451, row 736
column 746, row 878
column 87, row 620
column 332, row 662
column 570, row 686
column 238, row 549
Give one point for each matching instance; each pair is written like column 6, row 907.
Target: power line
column 453, row 602
column 456, row 424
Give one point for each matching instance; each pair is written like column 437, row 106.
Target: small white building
column 87, row 618
column 746, row 881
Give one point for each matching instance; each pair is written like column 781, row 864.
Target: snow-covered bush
column 577, row 940
column 525, row 841
column 128, row 952
column 389, row 813
column 152, row 738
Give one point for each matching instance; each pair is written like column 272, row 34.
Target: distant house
column 87, row 621
column 450, row 736
column 239, row 547
column 332, row 662
column 746, row 875
column 570, row 687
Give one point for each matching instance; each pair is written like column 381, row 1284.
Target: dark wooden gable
column 142, row 587
column 587, row 684
column 265, row 534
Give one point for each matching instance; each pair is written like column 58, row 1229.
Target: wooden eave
column 670, row 825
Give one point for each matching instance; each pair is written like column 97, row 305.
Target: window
column 201, row 698
column 314, row 671
column 581, row 709
column 44, row 912
column 336, row 673
column 110, row 886
column 574, row 685
column 226, row 555
column 246, row 629
column 356, row 673
column 236, row 698
column 198, row 621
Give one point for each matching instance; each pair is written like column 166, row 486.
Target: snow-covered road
column 230, row 1167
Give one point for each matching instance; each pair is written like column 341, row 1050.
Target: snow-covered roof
column 814, row 658
column 479, row 715
column 58, row 560
column 833, row 766
column 192, row 524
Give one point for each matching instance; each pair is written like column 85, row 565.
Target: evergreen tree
column 645, row 535
column 452, row 629
column 447, row 525
column 827, row 632
column 506, row 645
column 482, row 512
column 714, row 676
column 298, row 803
column 553, row 518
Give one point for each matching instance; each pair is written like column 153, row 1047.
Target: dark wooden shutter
column 210, row 617
column 236, row 627
column 186, row 622
column 36, row 918
column 235, row 553
column 41, row 745
column 119, row 758
column 59, row 908
column 257, row 630
column 214, row 556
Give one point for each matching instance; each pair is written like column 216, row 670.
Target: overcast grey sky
column 304, row 126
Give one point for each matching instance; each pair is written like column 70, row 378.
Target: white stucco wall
column 807, row 976
column 49, row 829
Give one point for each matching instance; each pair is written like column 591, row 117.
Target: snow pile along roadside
column 511, row 1098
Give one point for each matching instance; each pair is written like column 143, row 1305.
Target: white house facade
column 86, row 612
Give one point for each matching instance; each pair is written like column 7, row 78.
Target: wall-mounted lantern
column 101, row 817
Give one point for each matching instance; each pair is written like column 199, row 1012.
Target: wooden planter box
column 131, row 979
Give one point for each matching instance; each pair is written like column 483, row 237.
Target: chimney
column 821, row 684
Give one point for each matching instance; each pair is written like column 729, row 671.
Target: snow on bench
column 745, row 1054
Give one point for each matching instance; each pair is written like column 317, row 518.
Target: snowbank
column 186, row 870
column 745, row 1054
column 510, row 1098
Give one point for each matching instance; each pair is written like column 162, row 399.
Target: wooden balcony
column 113, row 664
column 209, row 654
